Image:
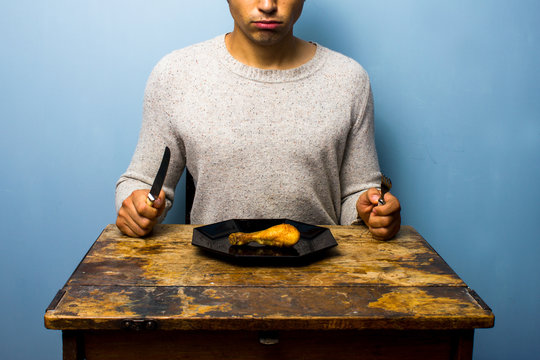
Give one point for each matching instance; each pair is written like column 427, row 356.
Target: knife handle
column 150, row 200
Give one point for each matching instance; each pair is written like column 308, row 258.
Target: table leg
column 463, row 345
column 72, row 345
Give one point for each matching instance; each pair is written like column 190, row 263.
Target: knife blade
column 160, row 177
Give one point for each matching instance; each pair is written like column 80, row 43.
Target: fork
column 386, row 185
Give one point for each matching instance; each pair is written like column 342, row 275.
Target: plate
column 215, row 238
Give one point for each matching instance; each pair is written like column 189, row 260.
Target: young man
column 269, row 125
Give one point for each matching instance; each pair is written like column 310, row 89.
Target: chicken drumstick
column 279, row 235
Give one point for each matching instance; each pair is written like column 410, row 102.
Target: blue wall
column 457, row 93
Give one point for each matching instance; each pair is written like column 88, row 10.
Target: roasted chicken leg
column 282, row 235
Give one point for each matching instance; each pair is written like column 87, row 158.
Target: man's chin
column 267, row 38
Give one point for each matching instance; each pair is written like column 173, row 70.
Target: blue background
column 457, row 96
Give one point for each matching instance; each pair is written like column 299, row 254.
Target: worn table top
column 360, row 284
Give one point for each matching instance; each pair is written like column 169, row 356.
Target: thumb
column 367, row 200
column 373, row 195
column 160, row 201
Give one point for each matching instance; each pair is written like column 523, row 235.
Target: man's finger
column 134, row 229
column 373, row 194
column 127, row 225
column 159, row 204
column 143, row 209
column 385, row 233
column 140, row 217
column 380, row 221
column 391, row 206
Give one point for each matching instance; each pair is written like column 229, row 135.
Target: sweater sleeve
column 156, row 133
column 360, row 167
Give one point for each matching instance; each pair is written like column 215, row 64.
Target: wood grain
column 260, row 308
column 168, row 259
column 361, row 284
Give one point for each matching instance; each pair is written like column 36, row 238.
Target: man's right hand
column 136, row 218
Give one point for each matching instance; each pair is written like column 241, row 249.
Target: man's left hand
column 383, row 221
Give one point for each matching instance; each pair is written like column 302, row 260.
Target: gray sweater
column 294, row 144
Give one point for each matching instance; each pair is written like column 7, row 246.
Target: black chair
column 190, row 194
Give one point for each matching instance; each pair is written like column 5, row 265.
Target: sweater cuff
column 349, row 215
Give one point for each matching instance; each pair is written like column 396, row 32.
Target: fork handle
column 384, row 190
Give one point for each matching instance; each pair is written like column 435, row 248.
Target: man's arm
column 135, row 217
column 360, row 168
column 360, row 175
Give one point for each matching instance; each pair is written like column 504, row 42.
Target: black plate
column 215, row 238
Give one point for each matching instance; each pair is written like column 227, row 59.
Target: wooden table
column 162, row 298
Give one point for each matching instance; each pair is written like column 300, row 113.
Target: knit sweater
column 295, row 144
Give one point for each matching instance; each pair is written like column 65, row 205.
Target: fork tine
column 386, row 181
column 386, row 184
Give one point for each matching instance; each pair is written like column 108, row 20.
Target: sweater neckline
column 269, row 75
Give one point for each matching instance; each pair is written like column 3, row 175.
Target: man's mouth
column 267, row 24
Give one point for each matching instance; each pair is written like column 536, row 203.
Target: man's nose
column 267, row 6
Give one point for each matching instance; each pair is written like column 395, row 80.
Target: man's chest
column 243, row 122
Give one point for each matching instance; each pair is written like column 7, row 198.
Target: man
column 269, row 125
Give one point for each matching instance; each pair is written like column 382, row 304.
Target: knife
column 160, row 178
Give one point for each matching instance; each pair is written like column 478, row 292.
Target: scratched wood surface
column 360, row 284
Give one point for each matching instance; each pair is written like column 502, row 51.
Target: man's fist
column 383, row 221
column 136, row 217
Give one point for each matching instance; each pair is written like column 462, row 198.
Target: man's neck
column 289, row 53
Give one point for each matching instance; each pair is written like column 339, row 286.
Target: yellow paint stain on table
column 413, row 300
column 190, row 307
column 113, row 304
